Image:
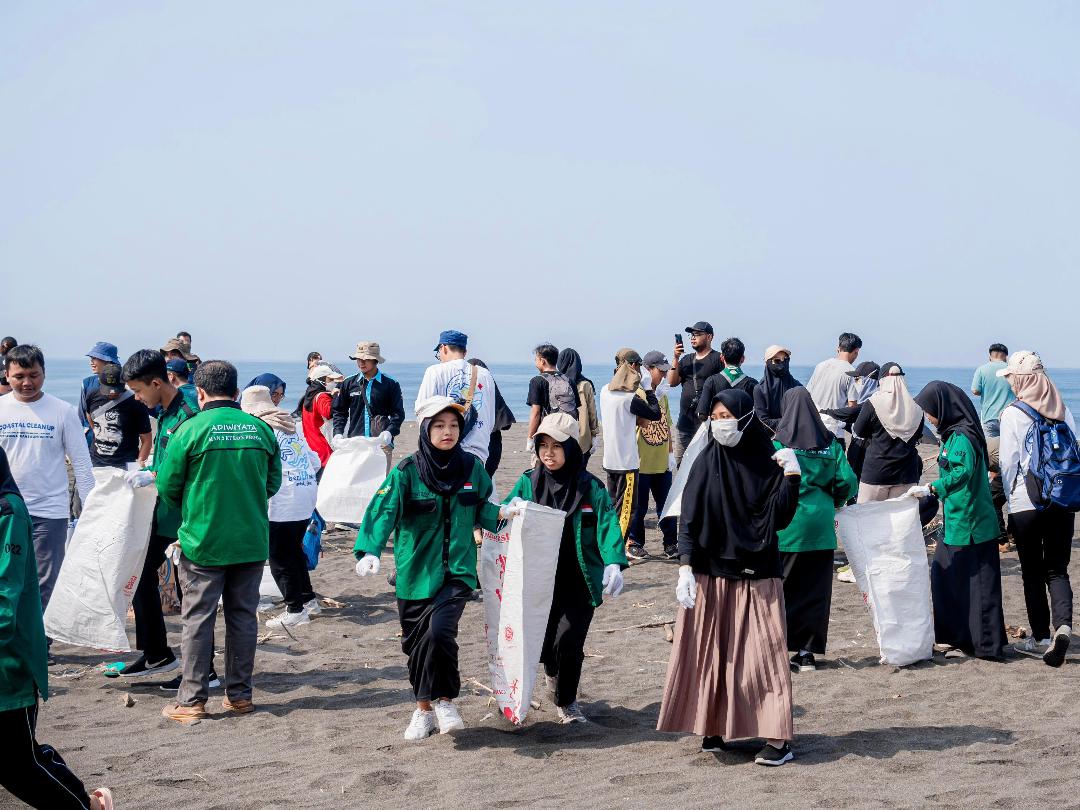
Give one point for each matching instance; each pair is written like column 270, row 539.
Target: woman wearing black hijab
column 32, row 772
column 430, row 503
column 739, row 493
column 965, row 577
column 591, row 554
column 807, row 544
column 569, row 364
column 775, row 382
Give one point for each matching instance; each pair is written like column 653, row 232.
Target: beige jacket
column 587, row 421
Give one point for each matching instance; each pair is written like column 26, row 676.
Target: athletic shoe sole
column 1055, row 656
column 772, row 763
column 169, row 667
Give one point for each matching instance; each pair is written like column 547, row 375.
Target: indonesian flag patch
column 586, row 509
column 468, row 487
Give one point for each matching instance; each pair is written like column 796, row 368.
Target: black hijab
column 775, row 382
column 800, row 426
column 730, row 508
column 315, row 387
column 442, row 471
column 955, row 413
column 565, row 487
column 569, row 364
column 7, row 480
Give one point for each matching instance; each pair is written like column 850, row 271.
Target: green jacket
column 167, row 518
column 827, row 483
column 596, row 530
column 963, row 486
column 427, row 529
column 23, row 654
column 222, row 467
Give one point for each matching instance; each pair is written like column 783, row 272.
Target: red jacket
column 313, row 421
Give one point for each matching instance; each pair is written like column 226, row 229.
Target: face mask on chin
column 726, row 431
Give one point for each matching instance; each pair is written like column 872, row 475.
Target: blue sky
column 277, row 177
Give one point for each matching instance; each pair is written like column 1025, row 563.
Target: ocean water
column 64, row 376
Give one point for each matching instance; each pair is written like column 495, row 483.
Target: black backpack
column 561, row 394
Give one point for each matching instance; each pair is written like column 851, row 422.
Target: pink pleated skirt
column 729, row 675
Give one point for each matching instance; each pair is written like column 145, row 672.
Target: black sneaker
column 140, row 668
column 803, row 663
column 1055, row 656
column 774, row 756
column 174, row 684
column 710, row 745
column 671, row 552
column 635, row 551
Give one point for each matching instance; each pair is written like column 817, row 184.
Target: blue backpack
column 1053, row 476
column 313, row 540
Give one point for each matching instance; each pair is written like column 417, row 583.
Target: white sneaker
column 448, row 716
column 313, row 607
column 844, row 574
column 570, row 714
column 286, row 619
column 421, row 726
column 1032, row 646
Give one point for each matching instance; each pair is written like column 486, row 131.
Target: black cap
column 111, row 379
column 701, row 326
column 865, row 369
column 890, row 369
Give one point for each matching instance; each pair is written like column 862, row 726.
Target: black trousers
column 563, row 651
column 808, row 578
column 150, row 635
column 658, row 485
column 997, row 494
column 429, row 630
column 288, row 565
column 32, row 772
column 1044, row 545
column 622, row 487
column 495, row 450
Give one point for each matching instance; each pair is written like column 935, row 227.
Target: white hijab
column 896, row 409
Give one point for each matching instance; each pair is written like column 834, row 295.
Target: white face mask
column 726, row 431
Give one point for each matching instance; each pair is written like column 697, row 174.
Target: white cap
column 322, row 371
column 1022, row 362
column 559, row 426
column 774, row 350
column 433, row 405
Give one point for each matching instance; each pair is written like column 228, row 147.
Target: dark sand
column 334, row 701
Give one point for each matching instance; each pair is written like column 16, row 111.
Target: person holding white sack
column 430, row 503
column 729, row 677
column 290, row 509
column 591, row 553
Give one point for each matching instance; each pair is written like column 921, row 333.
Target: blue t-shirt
column 995, row 391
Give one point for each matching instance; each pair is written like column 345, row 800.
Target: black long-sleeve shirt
column 365, row 407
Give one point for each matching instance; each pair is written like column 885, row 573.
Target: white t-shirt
column 1014, row 458
column 451, row 379
column 295, row 500
column 620, row 431
column 37, row 438
column 830, row 387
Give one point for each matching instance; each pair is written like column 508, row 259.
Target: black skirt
column 808, row 578
column 965, row 582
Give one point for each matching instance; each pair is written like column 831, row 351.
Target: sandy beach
column 333, row 700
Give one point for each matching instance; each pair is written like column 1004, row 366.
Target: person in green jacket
column 965, row 577
column 808, row 543
column 591, row 553
column 222, row 467
column 430, row 503
column 146, row 375
column 30, row 771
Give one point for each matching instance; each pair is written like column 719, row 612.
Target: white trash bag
column 517, row 573
column 884, row 544
column 673, row 505
column 354, row 472
column 102, row 566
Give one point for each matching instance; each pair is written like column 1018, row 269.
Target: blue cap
column 178, row 366
column 104, row 351
column 452, row 337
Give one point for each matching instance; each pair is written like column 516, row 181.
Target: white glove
column 530, row 445
column 785, row 457
column 367, row 565
column 672, row 464
column 511, row 510
column 646, row 380
column 686, row 590
column 173, row 553
column 613, row 580
column 386, row 439
column 920, row 492
column 139, row 478
column 335, row 442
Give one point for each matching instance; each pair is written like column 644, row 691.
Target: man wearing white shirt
column 38, row 432
column 830, row 384
column 453, row 377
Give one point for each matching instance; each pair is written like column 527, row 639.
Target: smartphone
column 678, row 338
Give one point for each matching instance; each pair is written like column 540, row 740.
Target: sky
column 280, row 177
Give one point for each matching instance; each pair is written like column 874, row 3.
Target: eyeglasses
column 697, row 334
